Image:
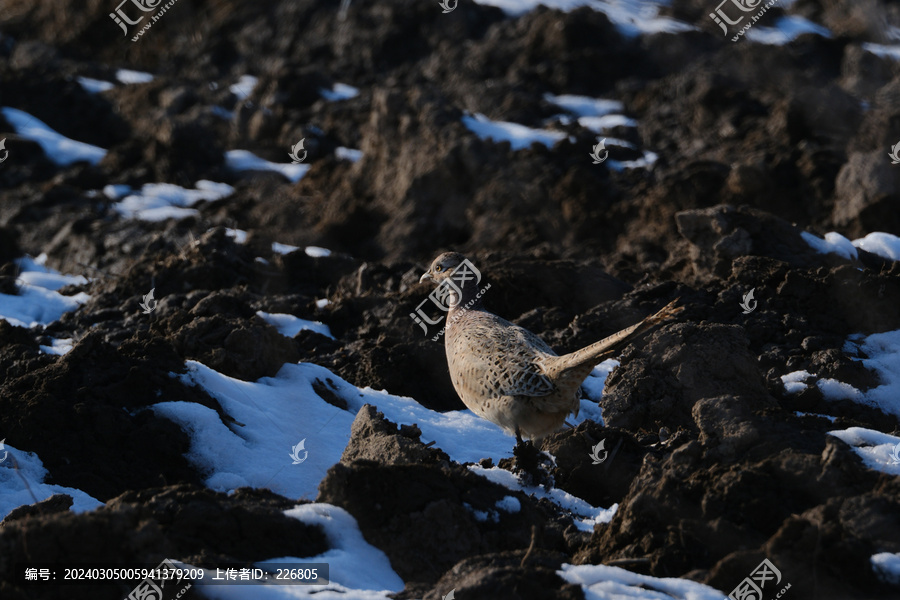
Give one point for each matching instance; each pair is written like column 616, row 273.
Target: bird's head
column 442, row 267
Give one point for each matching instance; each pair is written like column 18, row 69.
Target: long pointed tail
column 598, row 351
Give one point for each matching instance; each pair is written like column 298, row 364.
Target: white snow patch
column 339, row 91
column 350, row 154
column 601, row 124
column 14, row 491
column 519, row 136
column 38, row 302
column 115, row 192
column 617, row 142
column 509, row 504
column 795, row 382
column 34, row 271
column 317, row 252
column 833, row 243
column 238, row 235
column 160, row 201
column 631, row 17
column 874, row 447
column 280, row 248
column 806, row 414
column 832, row 389
column 57, row 147
column 59, row 347
column 886, row 566
column 322, row 303
column 289, row 325
column 244, row 87
column 883, row 244
column 278, row 412
column 127, row 76
column 584, row 516
column 602, row 582
column 585, row 106
column 242, row 160
column 645, row 162
column 593, row 388
column 786, row 30
column 356, row 569
column 883, row 350
column 883, row 50
column 352, row 561
column 94, row 86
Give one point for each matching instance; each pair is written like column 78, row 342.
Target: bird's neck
column 470, row 299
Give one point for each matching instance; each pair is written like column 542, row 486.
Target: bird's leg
column 519, row 441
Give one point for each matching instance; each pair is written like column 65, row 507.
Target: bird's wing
column 508, row 356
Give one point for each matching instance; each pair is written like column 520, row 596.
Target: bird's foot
column 531, row 464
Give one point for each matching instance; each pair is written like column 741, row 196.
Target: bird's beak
column 426, row 275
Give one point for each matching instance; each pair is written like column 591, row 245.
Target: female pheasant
column 505, row 373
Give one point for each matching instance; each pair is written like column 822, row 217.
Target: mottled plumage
column 508, row 375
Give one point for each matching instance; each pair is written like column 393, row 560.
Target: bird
column 508, row 375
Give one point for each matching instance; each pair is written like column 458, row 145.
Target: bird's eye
column 438, row 268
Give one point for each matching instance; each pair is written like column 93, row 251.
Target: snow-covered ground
column 271, row 416
column 357, row 570
column 289, row 325
column 877, row 450
column 22, row 476
column 631, row 17
column 127, row 76
column 244, row 160
column 38, row 302
column 518, row 136
column 338, row 92
column 784, row 30
column 886, row 245
column 350, row 154
column 602, row 582
column 57, row 147
column 886, row 566
column 160, row 201
column 882, row 352
column 243, row 87
column 95, row 86
column 240, row 237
